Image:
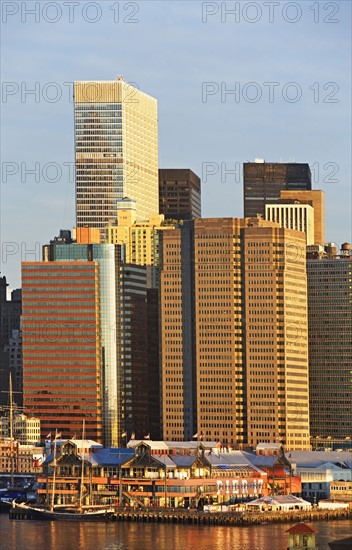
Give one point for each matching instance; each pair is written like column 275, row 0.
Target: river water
column 51, row 535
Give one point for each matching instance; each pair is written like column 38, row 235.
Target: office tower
column 263, row 181
column 292, row 215
column 234, row 332
column 16, row 365
column 179, row 194
column 61, row 346
column 117, row 344
column 316, row 199
column 10, row 358
column 330, row 341
column 140, row 238
column 116, row 144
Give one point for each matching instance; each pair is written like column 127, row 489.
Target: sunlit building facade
column 116, row 145
column 61, row 346
column 234, row 355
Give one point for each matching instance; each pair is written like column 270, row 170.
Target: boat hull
column 42, row 514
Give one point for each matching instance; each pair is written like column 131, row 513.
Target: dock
column 194, row 517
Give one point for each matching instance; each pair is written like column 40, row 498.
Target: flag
column 147, row 436
column 195, row 435
column 201, row 435
column 57, row 435
column 48, row 436
column 124, row 434
column 133, row 435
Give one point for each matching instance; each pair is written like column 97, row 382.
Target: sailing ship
column 19, row 487
column 70, row 512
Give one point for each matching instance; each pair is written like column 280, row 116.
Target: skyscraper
column 179, row 194
column 140, row 238
column 116, row 144
column 10, row 344
column 330, row 341
column 61, row 346
column 85, row 343
column 234, row 332
column 263, row 181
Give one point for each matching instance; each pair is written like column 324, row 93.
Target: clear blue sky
column 170, row 49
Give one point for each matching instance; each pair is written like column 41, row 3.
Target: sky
column 234, row 81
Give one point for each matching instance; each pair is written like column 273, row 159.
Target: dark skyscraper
column 330, row 342
column 263, row 181
column 179, row 194
column 10, row 353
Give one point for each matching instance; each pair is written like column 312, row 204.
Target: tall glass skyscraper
column 116, row 148
column 85, row 347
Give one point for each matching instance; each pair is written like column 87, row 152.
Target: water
column 46, row 535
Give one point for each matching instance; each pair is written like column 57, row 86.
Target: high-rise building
column 61, row 346
column 179, row 194
column 103, row 319
column 116, row 144
column 234, row 332
column 140, row 238
column 10, row 351
column 316, row 199
column 330, row 341
column 263, row 181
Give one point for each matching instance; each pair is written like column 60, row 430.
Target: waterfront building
column 330, row 343
column 263, row 181
column 341, row 491
column 26, row 429
column 319, row 470
column 179, row 194
column 152, row 473
column 116, row 148
column 234, row 332
column 18, row 458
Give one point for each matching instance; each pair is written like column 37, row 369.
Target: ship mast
column 82, row 469
column 11, row 434
column 54, row 475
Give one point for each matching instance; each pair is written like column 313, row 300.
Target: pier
column 194, row 517
column 228, row 518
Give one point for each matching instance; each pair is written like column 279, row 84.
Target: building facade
column 116, row 144
column 234, row 354
column 10, row 344
column 140, row 238
column 316, row 199
column 179, row 194
column 101, row 342
column 263, row 181
column 293, row 216
column 61, row 346
column 330, row 343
